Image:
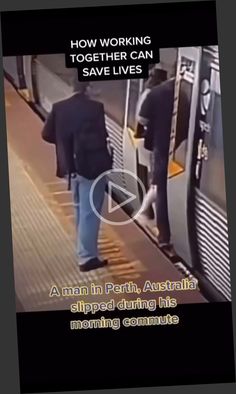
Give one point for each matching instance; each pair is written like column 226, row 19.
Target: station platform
column 43, row 227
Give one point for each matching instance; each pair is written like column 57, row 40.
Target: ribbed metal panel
column 212, row 234
column 214, row 53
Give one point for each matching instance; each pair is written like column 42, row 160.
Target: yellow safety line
column 7, row 104
column 174, row 169
column 133, row 139
column 25, row 94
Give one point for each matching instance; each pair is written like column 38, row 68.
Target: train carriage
column 196, row 184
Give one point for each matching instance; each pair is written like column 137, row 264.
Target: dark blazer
column 157, row 109
column 63, row 121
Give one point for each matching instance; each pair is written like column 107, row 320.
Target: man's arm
column 140, row 122
column 101, row 120
column 49, row 132
column 144, row 114
column 145, row 117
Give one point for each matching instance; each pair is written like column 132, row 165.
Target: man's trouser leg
column 75, row 194
column 89, row 221
column 161, row 170
column 148, row 200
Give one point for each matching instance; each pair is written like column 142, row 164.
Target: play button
column 117, row 196
column 112, row 188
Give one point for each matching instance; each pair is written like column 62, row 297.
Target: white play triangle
column 111, row 187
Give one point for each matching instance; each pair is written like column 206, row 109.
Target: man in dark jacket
column 156, row 114
column 67, row 119
column 156, row 77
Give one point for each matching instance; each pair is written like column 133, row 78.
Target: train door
column 28, row 92
column 210, row 194
column 181, row 148
column 14, row 68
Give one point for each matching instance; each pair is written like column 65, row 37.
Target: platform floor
column 43, row 226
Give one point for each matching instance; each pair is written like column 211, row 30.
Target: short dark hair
column 156, row 77
column 79, row 86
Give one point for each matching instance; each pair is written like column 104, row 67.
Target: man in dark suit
column 156, row 115
column 65, row 122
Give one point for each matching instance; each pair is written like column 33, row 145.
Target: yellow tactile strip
column 44, row 252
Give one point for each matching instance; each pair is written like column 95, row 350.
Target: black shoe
column 92, row 264
column 163, row 243
column 167, row 248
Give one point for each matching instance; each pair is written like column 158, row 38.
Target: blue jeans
column 86, row 221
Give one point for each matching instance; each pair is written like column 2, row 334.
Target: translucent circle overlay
column 106, row 173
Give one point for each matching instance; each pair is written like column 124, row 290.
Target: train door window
column 184, row 87
column 56, row 64
column 111, row 93
column 168, row 60
column 213, row 172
